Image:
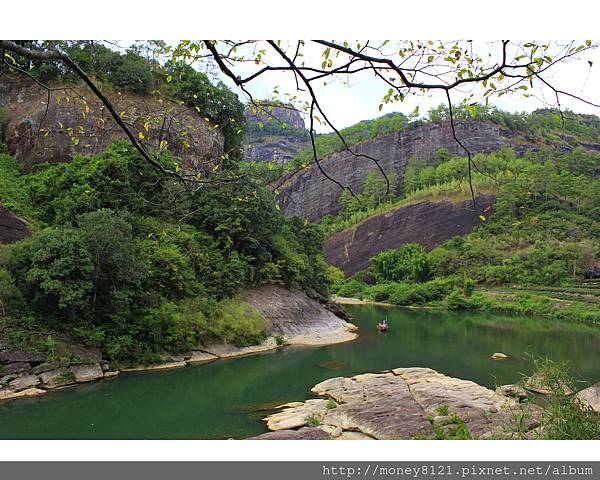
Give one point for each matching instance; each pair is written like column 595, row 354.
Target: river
column 228, row 398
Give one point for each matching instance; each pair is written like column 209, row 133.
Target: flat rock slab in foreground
column 400, row 404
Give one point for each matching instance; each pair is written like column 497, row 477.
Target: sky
column 346, row 105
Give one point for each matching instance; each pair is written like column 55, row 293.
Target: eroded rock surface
column 427, row 223
column 298, row 318
column 591, row 397
column 308, row 194
column 87, row 373
column 403, row 403
column 55, row 131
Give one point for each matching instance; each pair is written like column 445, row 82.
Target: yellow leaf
column 141, row 135
column 482, row 218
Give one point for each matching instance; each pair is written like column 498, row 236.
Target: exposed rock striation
column 308, row 194
column 282, row 113
column 427, row 223
column 73, row 121
column 298, row 318
column 403, row 403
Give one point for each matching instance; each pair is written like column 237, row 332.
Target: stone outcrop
column 298, row 318
column 282, row 113
column 590, row 397
column 427, row 223
column 273, row 145
column 274, row 148
column 12, row 228
column 308, row 194
column 403, row 403
column 73, row 121
column 87, row 373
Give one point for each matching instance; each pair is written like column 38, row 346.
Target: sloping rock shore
column 403, row 403
column 298, row 318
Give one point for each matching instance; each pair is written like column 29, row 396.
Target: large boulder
column 57, row 378
column 86, row 373
column 401, row 404
column 12, row 228
column 16, row 367
column 9, row 356
column 590, row 397
column 23, row 383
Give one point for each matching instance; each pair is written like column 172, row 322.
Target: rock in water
column 499, row 356
column 591, row 397
column 512, row 390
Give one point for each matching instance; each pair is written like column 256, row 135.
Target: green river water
column 228, row 398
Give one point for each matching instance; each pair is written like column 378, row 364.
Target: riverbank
column 293, row 318
column 228, row 399
column 573, row 304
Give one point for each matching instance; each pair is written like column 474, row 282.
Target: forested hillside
column 122, row 257
column 540, row 237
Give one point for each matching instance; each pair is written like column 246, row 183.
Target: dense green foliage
column 544, row 231
column 119, row 261
column 408, row 263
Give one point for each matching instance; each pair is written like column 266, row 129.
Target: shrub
column 351, row 288
column 564, row 416
column 238, row 323
column 456, row 300
column 313, row 420
column 409, row 263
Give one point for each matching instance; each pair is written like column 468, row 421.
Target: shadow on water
column 228, row 398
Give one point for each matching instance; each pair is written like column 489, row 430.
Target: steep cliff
column 54, row 128
column 307, row 193
column 267, row 140
column 426, row 223
column 283, row 113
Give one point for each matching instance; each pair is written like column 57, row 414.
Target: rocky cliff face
column 274, row 148
column 12, row 228
column 273, row 145
column 284, row 113
column 309, row 194
column 72, row 121
column 427, row 223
